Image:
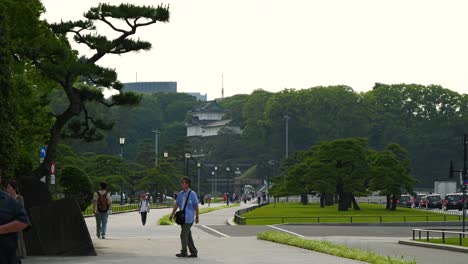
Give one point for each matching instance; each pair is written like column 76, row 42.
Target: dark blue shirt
column 10, row 210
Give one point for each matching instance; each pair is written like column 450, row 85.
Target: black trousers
column 8, row 252
column 143, row 217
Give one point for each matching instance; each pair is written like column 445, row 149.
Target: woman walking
column 13, row 191
column 143, row 208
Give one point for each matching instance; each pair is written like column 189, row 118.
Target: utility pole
column 156, row 136
column 198, row 178
column 464, row 180
column 287, row 131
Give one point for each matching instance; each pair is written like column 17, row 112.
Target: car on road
column 418, row 198
column 434, row 201
column 454, row 201
column 405, row 201
column 423, row 202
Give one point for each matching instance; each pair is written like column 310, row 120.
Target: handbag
column 180, row 215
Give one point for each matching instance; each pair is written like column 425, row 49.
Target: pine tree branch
column 103, row 19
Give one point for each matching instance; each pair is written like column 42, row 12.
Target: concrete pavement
column 128, row 241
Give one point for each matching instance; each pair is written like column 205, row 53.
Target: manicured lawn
column 331, row 248
column 165, row 219
column 454, row 241
column 312, row 213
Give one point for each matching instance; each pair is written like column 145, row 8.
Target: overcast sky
column 277, row 44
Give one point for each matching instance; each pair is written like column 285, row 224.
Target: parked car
column 434, row 201
column 405, row 201
column 423, row 202
column 454, row 201
column 418, row 198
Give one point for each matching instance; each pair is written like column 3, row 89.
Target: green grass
column 454, row 241
column 312, row 213
column 331, row 249
column 165, row 219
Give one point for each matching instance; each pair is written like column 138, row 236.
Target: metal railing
column 461, row 235
column 240, row 220
column 129, row 208
column 341, row 219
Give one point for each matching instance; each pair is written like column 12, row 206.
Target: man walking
column 187, row 201
column 101, row 205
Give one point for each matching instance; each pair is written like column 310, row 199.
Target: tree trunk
column 55, row 133
column 394, row 203
column 322, row 200
column 355, row 204
column 343, row 202
column 304, row 199
column 387, row 206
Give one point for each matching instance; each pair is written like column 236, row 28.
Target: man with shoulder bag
column 187, row 202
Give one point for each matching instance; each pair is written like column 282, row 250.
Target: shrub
column 76, row 184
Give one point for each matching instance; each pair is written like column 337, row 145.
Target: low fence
column 443, row 233
column 344, row 219
column 240, row 220
column 129, row 208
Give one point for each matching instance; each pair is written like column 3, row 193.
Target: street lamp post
column 212, row 183
column 166, row 154
column 465, row 142
column 198, row 178
column 287, row 131
column 122, row 142
column 227, row 185
column 187, row 158
column 216, row 178
column 156, row 136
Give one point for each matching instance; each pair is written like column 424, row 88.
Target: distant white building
column 207, row 120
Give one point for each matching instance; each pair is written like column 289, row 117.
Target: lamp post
column 215, row 178
column 238, row 173
column 465, row 142
column 156, row 136
column 227, row 185
column 187, row 158
column 287, row 131
column 212, row 183
column 166, row 154
column 122, row 142
column 198, row 178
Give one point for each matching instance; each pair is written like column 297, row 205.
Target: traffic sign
column 52, row 168
column 42, row 154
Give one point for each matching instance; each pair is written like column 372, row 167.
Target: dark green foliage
column 8, row 131
column 76, row 184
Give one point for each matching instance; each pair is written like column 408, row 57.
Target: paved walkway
column 130, row 242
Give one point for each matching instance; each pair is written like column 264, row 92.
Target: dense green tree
column 76, row 184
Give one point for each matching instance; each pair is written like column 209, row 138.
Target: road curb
column 231, row 222
column 408, row 224
column 433, row 245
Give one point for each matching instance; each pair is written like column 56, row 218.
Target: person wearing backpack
column 102, row 202
column 143, row 208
